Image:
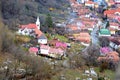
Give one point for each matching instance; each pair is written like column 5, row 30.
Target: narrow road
column 94, row 36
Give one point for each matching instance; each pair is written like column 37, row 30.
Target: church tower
column 38, row 23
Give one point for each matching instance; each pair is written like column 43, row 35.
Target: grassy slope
column 72, row 74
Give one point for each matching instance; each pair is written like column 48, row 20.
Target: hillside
column 16, row 12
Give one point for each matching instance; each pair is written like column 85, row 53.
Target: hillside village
column 86, row 45
column 85, row 29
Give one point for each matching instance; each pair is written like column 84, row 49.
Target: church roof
column 104, row 32
column 29, row 26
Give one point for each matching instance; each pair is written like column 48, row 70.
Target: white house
column 114, row 25
column 114, row 44
column 42, row 39
column 90, row 4
column 44, row 49
column 117, row 1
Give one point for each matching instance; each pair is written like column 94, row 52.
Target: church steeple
column 38, row 22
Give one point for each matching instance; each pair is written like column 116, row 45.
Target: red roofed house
column 114, row 25
column 42, row 39
column 90, row 4
column 54, row 52
column 112, row 11
column 83, row 37
column 51, row 52
column 33, row 50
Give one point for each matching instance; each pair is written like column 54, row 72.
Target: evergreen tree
column 49, row 21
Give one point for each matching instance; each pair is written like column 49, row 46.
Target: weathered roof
column 42, row 36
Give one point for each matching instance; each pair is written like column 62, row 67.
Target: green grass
column 108, row 73
column 72, row 74
column 60, row 37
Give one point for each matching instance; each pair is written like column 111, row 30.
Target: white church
column 33, row 29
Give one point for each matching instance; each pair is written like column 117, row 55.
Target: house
column 44, row 49
column 111, row 2
column 112, row 31
column 56, row 53
column 51, row 51
column 112, row 11
column 89, row 24
column 117, row 1
column 111, row 56
column 90, row 4
column 42, row 39
column 104, row 32
column 83, row 37
column 114, row 42
column 114, row 25
column 83, row 11
column 33, row 51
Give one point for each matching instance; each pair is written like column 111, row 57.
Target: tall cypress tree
column 49, row 21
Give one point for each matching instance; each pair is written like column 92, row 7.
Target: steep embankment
column 25, row 11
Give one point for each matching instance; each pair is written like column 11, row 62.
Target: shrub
column 103, row 65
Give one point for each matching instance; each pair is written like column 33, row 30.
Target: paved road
column 94, row 36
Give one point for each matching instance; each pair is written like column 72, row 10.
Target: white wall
column 117, row 1
column 42, row 41
column 115, row 27
column 44, row 51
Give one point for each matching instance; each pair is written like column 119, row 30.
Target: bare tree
column 90, row 54
column 104, row 41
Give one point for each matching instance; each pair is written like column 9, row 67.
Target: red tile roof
column 114, row 24
column 38, row 32
column 72, row 27
column 111, row 11
column 29, row 26
column 83, row 37
column 111, row 2
column 56, row 51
